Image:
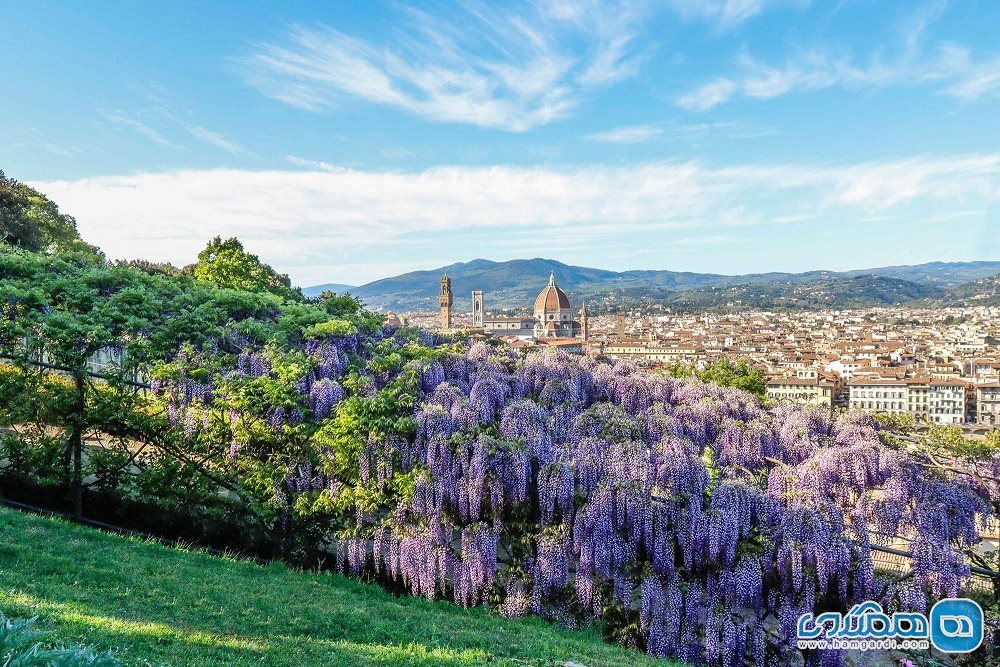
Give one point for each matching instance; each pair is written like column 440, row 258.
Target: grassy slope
column 157, row 605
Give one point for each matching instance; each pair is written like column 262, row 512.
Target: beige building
column 445, row 301
column 571, row 345
column 653, row 351
column 811, row 391
column 917, row 396
column 988, row 404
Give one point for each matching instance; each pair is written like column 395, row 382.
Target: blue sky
column 348, row 141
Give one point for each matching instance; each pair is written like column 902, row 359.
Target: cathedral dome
column 551, row 298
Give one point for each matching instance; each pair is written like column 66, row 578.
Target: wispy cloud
column 139, row 128
column 162, row 115
column 627, row 134
column 395, row 153
column 485, row 66
column 708, row 95
column 906, row 62
column 61, row 151
column 216, row 139
column 727, row 13
column 333, row 217
column 314, row 164
column 978, row 80
column 159, row 111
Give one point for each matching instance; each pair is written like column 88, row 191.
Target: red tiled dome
column 551, row 298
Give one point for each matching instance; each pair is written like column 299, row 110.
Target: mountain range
column 316, row 290
column 514, row 284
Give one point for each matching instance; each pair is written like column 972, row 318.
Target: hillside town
column 940, row 365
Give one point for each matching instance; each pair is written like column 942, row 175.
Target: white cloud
column 627, row 134
column 709, row 95
column 483, row 66
column 904, row 62
column 313, row 223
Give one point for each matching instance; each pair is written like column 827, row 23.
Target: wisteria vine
column 565, row 486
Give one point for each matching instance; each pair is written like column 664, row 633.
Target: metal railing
column 65, row 369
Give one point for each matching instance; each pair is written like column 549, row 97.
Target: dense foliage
column 70, row 309
column 726, row 373
column 228, row 264
column 30, row 220
column 685, row 516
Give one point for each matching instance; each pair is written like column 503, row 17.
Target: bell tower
column 584, row 325
column 477, row 308
column 445, row 300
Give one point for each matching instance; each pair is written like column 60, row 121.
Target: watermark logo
column 955, row 625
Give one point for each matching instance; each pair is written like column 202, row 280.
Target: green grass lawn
column 158, row 605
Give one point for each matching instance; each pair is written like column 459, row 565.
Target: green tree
column 339, row 305
column 228, row 264
column 15, row 227
column 63, row 309
column 30, row 220
column 739, row 375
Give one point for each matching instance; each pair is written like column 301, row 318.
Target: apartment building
column 917, row 397
column 946, row 402
column 988, row 404
column 933, row 400
column 879, row 394
column 648, row 351
column 811, row 391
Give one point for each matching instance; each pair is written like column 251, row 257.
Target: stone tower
column 445, row 300
column 584, row 325
column 477, row 308
column 620, row 321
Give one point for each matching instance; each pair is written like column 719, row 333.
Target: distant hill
column 983, row 292
column 942, row 274
column 507, row 284
column 514, row 284
column 316, row 290
column 821, row 293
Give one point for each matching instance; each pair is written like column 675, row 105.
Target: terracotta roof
column 560, row 342
column 551, row 297
column 798, row 382
column 875, row 381
column 948, row 382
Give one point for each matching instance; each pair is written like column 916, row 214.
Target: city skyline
column 347, row 144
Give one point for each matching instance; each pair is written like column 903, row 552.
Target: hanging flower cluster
column 564, row 486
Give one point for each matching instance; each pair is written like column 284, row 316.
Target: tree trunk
column 76, row 446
